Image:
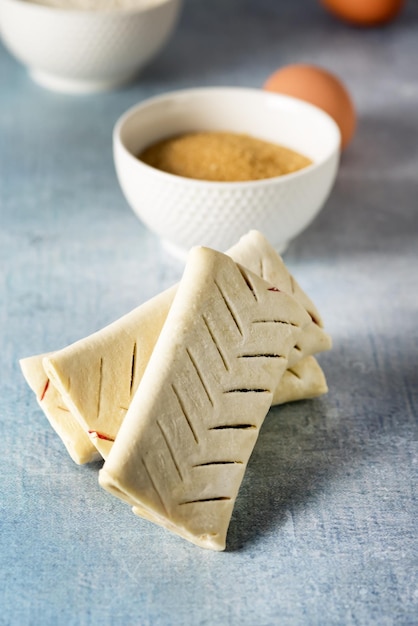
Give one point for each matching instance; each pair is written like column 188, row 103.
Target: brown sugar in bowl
column 222, row 157
column 185, row 212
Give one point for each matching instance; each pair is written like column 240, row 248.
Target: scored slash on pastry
column 183, row 447
column 86, row 388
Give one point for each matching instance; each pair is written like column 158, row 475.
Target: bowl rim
column 281, row 179
column 149, row 5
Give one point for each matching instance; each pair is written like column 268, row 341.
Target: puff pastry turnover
column 183, row 447
column 95, row 378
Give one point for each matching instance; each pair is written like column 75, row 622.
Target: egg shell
column 364, row 12
column 320, row 88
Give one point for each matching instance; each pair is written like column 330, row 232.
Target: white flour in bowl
column 96, row 5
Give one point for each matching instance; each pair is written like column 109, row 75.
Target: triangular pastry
column 96, row 377
column 304, row 380
column 74, row 437
column 182, row 450
column 254, row 252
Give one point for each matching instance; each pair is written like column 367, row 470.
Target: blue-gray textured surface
column 325, row 527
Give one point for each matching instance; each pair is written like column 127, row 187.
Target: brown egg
column 321, row 88
column 364, row 12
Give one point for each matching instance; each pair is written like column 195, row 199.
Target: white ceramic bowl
column 80, row 51
column 186, row 212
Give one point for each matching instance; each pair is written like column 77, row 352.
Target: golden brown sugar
column 222, row 156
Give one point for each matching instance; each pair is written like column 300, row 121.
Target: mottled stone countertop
column 325, row 526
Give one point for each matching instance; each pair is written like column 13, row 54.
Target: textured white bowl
column 82, row 51
column 186, row 212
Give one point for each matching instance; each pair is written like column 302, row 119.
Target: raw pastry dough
column 182, row 450
column 254, row 252
column 96, row 377
column 304, row 380
column 74, row 437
